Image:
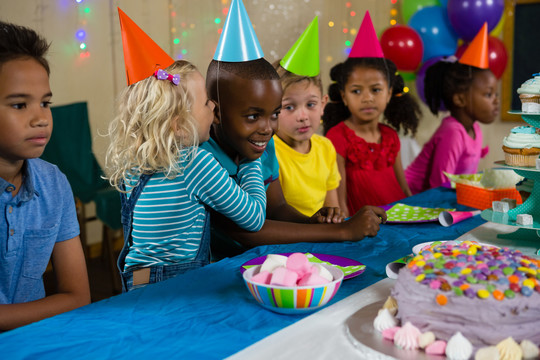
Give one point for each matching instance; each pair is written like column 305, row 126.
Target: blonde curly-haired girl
column 167, row 183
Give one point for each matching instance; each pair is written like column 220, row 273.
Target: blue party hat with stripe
column 238, row 41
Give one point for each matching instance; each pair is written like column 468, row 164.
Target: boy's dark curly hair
column 401, row 112
column 19, row 42
column 259, row 69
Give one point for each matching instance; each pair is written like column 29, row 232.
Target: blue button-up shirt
column 41, row 214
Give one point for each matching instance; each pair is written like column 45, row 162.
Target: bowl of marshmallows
column 291, row 284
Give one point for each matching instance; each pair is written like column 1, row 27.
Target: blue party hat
column 238, row 41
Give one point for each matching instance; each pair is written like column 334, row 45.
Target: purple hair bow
column 163, row 75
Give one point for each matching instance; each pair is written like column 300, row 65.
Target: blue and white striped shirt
column 169, row 215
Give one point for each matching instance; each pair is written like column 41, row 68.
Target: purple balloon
column 468, row 16
column 421, row 75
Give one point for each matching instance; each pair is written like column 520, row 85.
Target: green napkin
column 406, row 213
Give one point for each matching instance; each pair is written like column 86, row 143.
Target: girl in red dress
column 368, row 152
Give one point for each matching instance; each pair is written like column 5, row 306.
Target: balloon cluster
column 433, row 30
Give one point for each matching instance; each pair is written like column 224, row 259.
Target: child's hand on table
column 328, row 215
column 365, row 222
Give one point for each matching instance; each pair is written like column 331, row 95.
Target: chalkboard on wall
column 521, row 36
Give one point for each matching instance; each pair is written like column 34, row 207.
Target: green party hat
column 303, row 57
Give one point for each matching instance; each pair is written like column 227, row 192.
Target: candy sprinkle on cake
column 470, row 293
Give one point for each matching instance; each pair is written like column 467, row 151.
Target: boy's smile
column 248, row 112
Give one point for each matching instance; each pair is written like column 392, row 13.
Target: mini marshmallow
column 299, row 263
column 312, row 279
column 436, row 348
column 388, row 334
column 273, row 261
column 322, row 271
column 500, row 206
column 263, row 277
column 282, row 276
column 511, row 202
column 524, row 219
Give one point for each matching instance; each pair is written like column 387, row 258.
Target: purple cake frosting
column 487, row 294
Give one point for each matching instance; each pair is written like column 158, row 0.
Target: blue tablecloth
column 208, row 313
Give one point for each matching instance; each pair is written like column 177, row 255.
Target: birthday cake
column 466, row 297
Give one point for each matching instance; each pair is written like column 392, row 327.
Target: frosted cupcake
column 521, row 147
column 529, row 94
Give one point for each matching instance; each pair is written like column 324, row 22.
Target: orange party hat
column 142, row 56
column 477, row 52
column 366, row 43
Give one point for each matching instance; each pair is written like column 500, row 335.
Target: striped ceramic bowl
column 293, row 300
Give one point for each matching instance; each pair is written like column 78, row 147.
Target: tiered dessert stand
column 530, row 206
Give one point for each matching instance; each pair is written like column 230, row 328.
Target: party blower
column 447, row 218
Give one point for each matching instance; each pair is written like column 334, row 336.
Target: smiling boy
column 248, row 97
column 247, row 91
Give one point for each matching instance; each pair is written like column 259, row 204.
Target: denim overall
column 157, row 272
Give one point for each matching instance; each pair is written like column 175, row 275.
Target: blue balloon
column 432, row 24
column 468, row 16
column 444, row 3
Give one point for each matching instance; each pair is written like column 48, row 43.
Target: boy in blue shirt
column 40, row 219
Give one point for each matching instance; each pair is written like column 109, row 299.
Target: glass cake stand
column 530, row 206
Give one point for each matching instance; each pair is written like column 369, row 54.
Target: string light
column 393, row 13
column 81, row 34
column 224, row 11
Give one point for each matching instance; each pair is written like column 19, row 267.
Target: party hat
column 238, row 41
column 366, row 43
column 477, row 52
column 142, row 56
column 303, row 57
column 447, row 218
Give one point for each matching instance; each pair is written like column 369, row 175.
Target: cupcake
column 521, row 147
column 529, row 94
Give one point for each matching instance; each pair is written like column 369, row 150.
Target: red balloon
column 498, row 57
column 403, row 46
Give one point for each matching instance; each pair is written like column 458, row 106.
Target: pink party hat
column 366, row 43
column 447, row 218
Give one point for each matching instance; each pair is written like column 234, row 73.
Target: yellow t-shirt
column 305, row 178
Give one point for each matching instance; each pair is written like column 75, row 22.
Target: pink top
column 450, row 149
column 369, row 167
